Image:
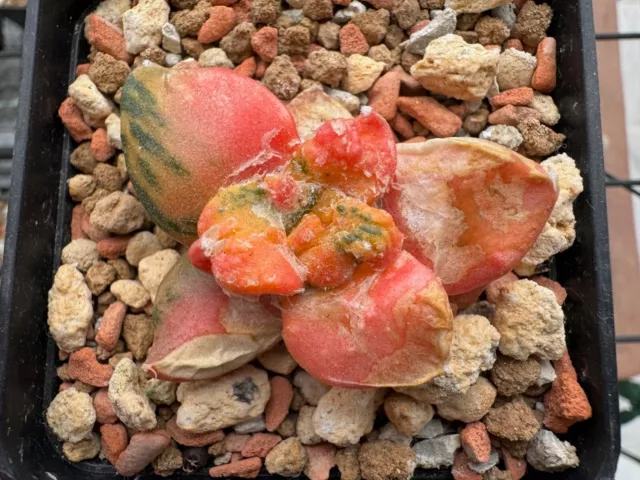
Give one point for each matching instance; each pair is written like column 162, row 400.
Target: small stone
column 126, row 392
column 408, row 415
column 348, row 464
column 142, row 450
column 194, row 459
column 138, row 333
column 454, row 68
column 320, row 460
column 247, row 468
column 475, row 122
column 83, row 159
column 470, row 406
column 328, row 35
column 264, row 11
column 362, row 72
column 544, row 104
column 190, row 439
column 512, row 116
column 86, row 96
column 483, row 467
column 141, row 245
column 222, row 459
column 566, row 403
column 171, row 39
column 83, row 450
column 431, row 114
column 391, row 433
column 505, row 135
column 221, row 21
column 345, row 415
column 130, row 292
column 380, row 460
column 473, row 6
column 532, row 23
column 235, row 442
column 515, row 69
column 107, row 176
column 237, row 44
column 153, row 268
column 294, row 40
column 548, row 453
column 288, row 426
column 107, row 73
column 168, row 461
column 281, row 77
column 81, row 186
column 444, row 24
column 278, row 405
column 188, row 23
column 318, row 9
column 265, row 43
column 461, row 470
column 524, row 310
column 193, row 48
column 252, row 425
column 515, row 466
column 437, row 452
column 312, row 390
column 475, row 441
column 538, row 140
column 513, row 377
column 287, row 459
column 114, row 440
column 71, row 415
column 106, row 37
column 514, row 421
column 142, row 24
column 373, row 24
column 304, row 427
column 114, row 133
column 432, row 429
column 326, row 67
column 491, row 31
column 118, row 213
column 70, row 309
column 84, row 367
column 237, row 397
column 352, row 40
column 82, row 253
column 406, row 12
column 278, row 359
column 383, row 96
column 214, row 57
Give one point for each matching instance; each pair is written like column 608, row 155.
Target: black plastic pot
column 38, row 227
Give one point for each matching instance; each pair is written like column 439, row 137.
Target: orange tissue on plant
column 470, row 209
column 244, row 238
column 202, row 333
column 357, row 156
column 339, row 233
column 383, row 328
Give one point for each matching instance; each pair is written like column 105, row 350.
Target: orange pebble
column 493, row 289
column 114, row 441
column 143, row 448
column 459, row 109
column 94, row 233
column 260, row 444
column 277, row 407
column 465, row 300
column 72, row 118
column 107, row 38
column 83, row 69
column 515, row 96
column 221, row 21
column 265, row 43
column 101, row 149
column 235, row 442
column 77, row 215
column 408, row 85
column 544, row 76
column 475, row 441
column 104, row 408
column 461, row 470
column 321, row 458
column 510, row 115
column 555, row 287
column 529, row 49
column 247, row 468
column 261, row 68
column 432, row 114
column 517, row 467
column 111, row 326
column 113, row 247
column 84, row 366
column 418, row 26
column 352, row 40
column 383, row 96
column 566, row 403
column 298, row 62
column 242, row 10
column 513, row 43
column 190, row 439
column 247, row 68
column 401, row 124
